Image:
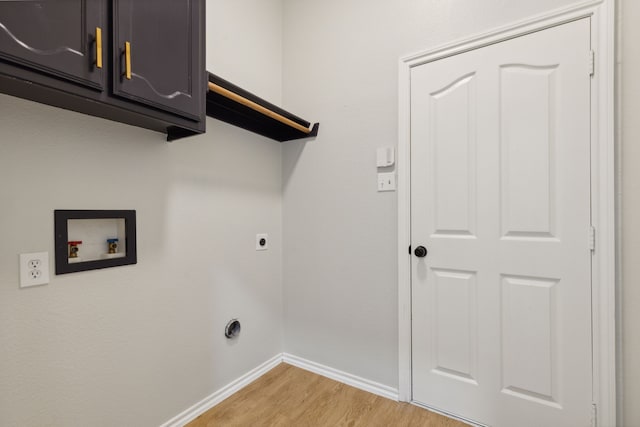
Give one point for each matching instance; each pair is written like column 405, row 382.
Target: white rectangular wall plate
column 34, row 269
column 387, row 181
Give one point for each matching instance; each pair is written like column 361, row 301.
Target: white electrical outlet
column 262, row 242
column 34, row 269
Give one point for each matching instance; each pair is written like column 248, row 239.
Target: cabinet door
column 57, row 37
column 157, row 54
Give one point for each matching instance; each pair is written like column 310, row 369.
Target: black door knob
column 420, row 252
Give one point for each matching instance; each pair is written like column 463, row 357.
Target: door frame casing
column 603, row 189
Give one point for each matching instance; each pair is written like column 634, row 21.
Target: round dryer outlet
column 232, row 329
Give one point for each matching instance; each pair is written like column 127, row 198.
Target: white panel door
column 500, row 198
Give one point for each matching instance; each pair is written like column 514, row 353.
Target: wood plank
column 257, row 107
column 289, row 396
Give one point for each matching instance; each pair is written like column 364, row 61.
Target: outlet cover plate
column 34, row 269
column 387, row 181
column 262, row 238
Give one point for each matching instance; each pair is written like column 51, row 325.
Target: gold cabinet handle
column 98, row 47
column 127, row 60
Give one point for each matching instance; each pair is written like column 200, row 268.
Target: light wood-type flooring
column 288, row 396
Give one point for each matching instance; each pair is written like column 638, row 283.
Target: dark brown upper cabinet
column 58, row 38
column 132, row 61
column 156, row 54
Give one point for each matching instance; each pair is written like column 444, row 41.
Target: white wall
column 340, row 68
column 630, row 103
column 244, row 45
column 136, row 345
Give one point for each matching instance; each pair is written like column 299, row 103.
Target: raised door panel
column 454, row 332
column 55, row 37
column 528, row 156
column 452, row 123
column 166, row 65
column 530, row 339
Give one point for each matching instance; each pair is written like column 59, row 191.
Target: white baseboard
column 343, row 377
column 210, row 401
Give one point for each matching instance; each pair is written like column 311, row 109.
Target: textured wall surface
column 137, row 345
